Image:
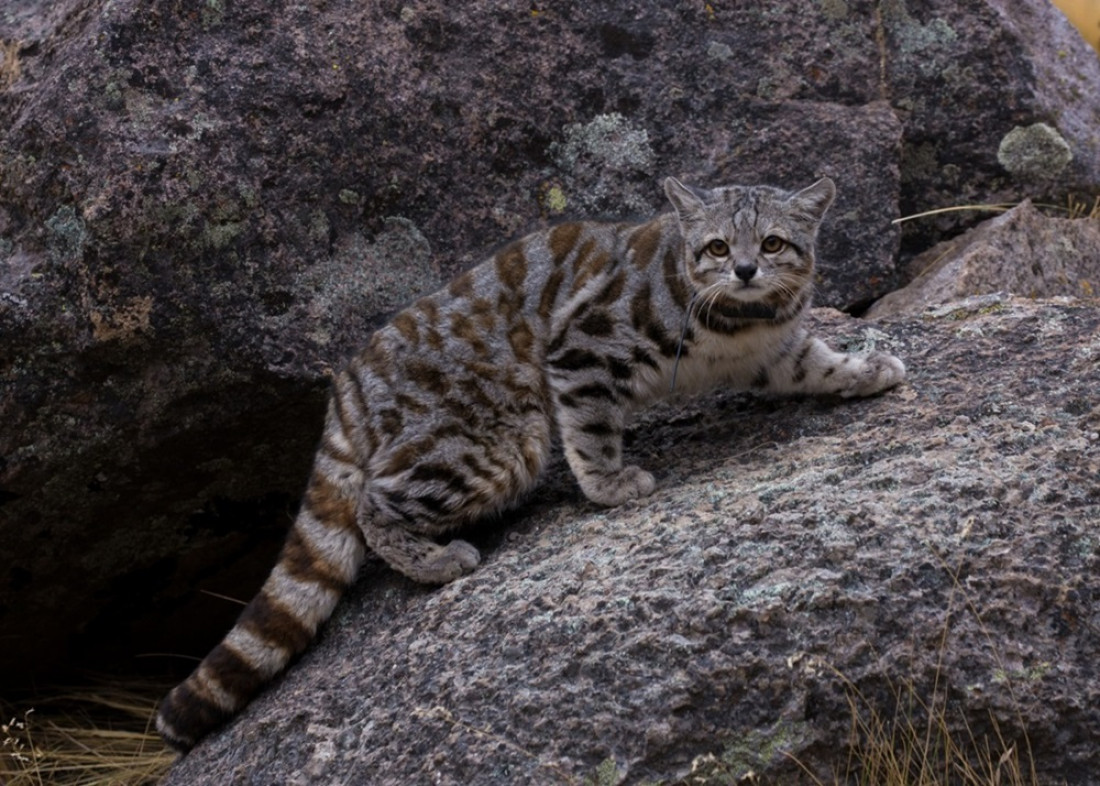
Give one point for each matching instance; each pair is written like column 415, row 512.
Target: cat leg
column 415, row 555
column 420, row 558
column 592, row 437
column 810, row 366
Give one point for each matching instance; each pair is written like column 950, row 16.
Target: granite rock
column 205, row 208
column 937, row 542
column 1024, row 252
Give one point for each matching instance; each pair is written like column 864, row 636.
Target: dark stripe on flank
column 575, row 359
column 644, row 358
column 462, row 286
column 433, row 504
column 597, row 323
column 612, row 290
column 511, row 267
column 440, row 473
column 592, row 390
column 761, row 379
column 620, row 369
column 429, row 377
column 549, row 294
column 405, row 324
column 645, row 243
column 674, row 280
column 522, row 340
column 562, row 240
column 668, row 346
column 599, row 429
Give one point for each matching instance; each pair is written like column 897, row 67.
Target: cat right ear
column 688, row 204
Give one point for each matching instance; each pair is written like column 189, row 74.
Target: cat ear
column 812, row 202
column 688, row 204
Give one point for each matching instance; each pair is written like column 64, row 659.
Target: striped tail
column 319, row 560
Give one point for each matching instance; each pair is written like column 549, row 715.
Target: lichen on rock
column 1034, row 152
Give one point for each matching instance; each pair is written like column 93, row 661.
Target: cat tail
column 320, row 559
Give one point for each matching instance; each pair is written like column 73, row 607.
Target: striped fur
column 449, row 412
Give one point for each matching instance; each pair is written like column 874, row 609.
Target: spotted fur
column 449, row 413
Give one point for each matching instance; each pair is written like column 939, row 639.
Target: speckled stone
column 205, row 207
column 942, row 536
column 1024, row 252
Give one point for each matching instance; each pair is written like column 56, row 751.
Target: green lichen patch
column 912, row 36
column 552, row 199
column 67, row 234
column 747, row 755
column 1033, row 152
column 835, row 10
column 608, row 141
column 366, row 277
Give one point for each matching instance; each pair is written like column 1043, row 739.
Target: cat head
column 749, row 250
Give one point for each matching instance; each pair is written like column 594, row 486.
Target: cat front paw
column 880, row 371
column 615, row 488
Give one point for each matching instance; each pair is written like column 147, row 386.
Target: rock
column 982, row 131
column 1023, row 251
column 1037, row 151
column 203, row 211
column 938, row 539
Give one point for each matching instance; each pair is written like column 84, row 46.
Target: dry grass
column 10, row 68
column 921, row 742
column 1075, row 207
column 90, row 737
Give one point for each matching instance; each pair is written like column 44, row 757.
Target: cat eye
column 718, row 248
column 773, row 244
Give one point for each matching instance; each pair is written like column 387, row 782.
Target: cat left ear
column 814, row 200
column 688, row 204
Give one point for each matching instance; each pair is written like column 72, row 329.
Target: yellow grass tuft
column 916, row 745
column 920, row 743
column 89, row 737
column 10, row 68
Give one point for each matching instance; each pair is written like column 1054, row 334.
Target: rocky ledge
column 936, row 542
column 203, row 211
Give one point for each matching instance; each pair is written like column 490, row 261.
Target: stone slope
column 942, row 534
column 204, row 208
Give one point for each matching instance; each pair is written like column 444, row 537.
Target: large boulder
column 204, row 208
column 933, row 547
column 1024, row 252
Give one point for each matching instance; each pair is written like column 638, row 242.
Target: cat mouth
column 746, row 290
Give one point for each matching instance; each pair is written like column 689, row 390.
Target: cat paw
column 615, row 488
column 880, row 371
column 447, row 563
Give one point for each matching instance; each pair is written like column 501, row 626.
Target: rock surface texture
column 1023, row 251
column 942, row 537
column 205, row 207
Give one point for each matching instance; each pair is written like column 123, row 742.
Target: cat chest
column 713, row 359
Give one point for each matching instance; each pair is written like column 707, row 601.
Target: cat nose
column 745, row 270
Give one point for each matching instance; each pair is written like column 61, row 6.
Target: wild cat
column 449, row 413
